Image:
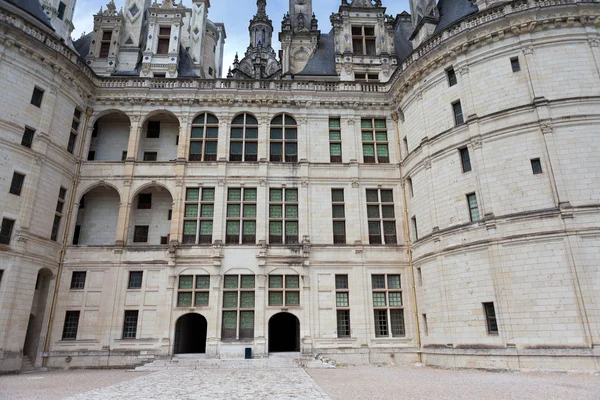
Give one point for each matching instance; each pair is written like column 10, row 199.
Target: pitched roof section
column 452, row 11
column 33, row 8
column 323, row 62
column 82, row 45
column 402, row 45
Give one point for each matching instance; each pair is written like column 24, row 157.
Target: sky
column 236, row 15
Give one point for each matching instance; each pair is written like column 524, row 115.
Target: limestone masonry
column 390, row 189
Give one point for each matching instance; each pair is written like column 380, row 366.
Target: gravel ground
column 55, row 385
column 414, row 383
column 345, row 383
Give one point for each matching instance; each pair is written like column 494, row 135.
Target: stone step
column 27, row 364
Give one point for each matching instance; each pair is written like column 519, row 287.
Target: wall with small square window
column 111, row 137
column 159, row 135
column 155, row 217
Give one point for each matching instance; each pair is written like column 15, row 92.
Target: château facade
column 419, row 187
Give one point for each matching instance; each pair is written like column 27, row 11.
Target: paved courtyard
column 349, row 383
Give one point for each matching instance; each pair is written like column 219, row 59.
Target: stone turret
column 103, row 54
column 299, row 36
column 425, row 17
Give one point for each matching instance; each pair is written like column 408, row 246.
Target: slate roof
column 402, row 45
column 33, row 8
column 323, row 62
column 82, row 45
column 452, row 11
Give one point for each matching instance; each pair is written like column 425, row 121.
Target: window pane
column 247, row 300
column 212, row 133
column 292, row 298
column 249, row 210
column 202, row 282
column 275, row 211
column 289, row 120
column 387, row 196
column 335, row 149
column 234, row 195
column 197, row 133
column 291, row 149
column 239, row 120
column 334, row 123
column 338, row 211
column 368, row 150
column 236, row 148
column 192, row 194
column 380, row 123
column 246, row 320
column 341, row 300
column 191, row 210
column 208, row 195
column 206, row 227
column 276, row 195
column 291, row 134
column 251, row 133
column 230, row 299
column 186, row 281
column 276, row 281
column 233, row 227
column 339, row 228
column 378, row 281
column 366, row 123
column 292, row 282
column 381, row 326
column 397, row 322
column 201, row 299
column 189, row 228
column 337, row 195
column 276, row 133
column 233, row 210
column 381, row 136
column 247, row 281
column 291, row 228
column 387, row 211
column 335, row 136
column 249, row 228
column 374, row 228
column 231, row 281
column 251, row 148
column 184, row 299
column 367, row 136
column 208, row 210
column 382, row 150
column 395, row 298
column 341, row 281
column 229, row 320
column 373, row 211
column 237, row 133
column 291, row 195
column 291, row 211
column 275, row 298
column 393, row 281
column 372, row 196
column 378, row 299
column 275, row 228
column 250, row 195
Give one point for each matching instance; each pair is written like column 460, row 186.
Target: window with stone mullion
column 241, row 216
column 284, row 290
column 339, row 216
column 335, row 140
column 284, row 139
column 204, row 138
column 374, row 141
column 342, row 302
column 283, row 216
column 193, row 291
column 381, row 216
column 238, row 307
column 388, row 308
column 198, row 215
column 244, row 138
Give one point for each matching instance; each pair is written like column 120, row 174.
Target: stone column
column 263, row 136
column 135, row 132
column 177, row 212
column 222, row 153
column 183, row 148
column 124, row 215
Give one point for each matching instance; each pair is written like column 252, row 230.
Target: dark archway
column 284, row 333
column 190, row 334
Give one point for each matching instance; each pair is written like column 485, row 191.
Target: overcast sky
column 235, row 14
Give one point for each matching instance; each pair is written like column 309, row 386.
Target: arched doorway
column 284, row 333
column 190, row 334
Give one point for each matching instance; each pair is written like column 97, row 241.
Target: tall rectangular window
column 61, row 10
column 283, row 216
column 140, row 234
column 6, row 230
column 78, row 280
column 458, row 114
column 410, row 188
column 284, row 290
column 164, row 38
column 473, row 207
column 335, row 140
column 60, row 204
column 374, row 141
column 342, row 304
column 130, row 322
column 536, row 166
column 193, row 291
column 414, row 226
column 244, row 138
column 284, row 139
column 37, row 97
column 17, row 184
column 135, row 279
column 105, row 44
column 76, row 234
column 387, row 306
column 198, row 215
column 204, row 139
column 490, row 316
column 27, row 139
column 465, row 159
column 381, row 216
column 241, row 216
column 238, row 307
column 339, row 216
column 74, row 130
column 363, row 40
column 425, row 326
column 514, row 64
column 451, row 77
column 71, row 325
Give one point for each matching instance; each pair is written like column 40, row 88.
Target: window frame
column 133, row 283
column 493, row 329
column 284, row 157
column 338, row 238
column 241, row 219
column 457, row 112
column 130, row 325
column 163, row 42
column 193, row 291
column 105, row 44
column 69, row 329
column 364, row 38
column 465, row 159
column 204, row 140
column 536, row 166
column 343, row 311
column 147, row 203
column 78, row 280
column 240, row 334
column 515, row 64
column 37, row 97
column 141, row 237
column 202, row 201
column 335, row 130
column 474, row 214
column 284, row 290
column 373, row 131
column 283, row 219
column 451, row 77
column 16, row 184
column 27, row 138
column 6, row 230
column 244, row 140
column 388, row 308
column 59, row 212
column 381, row 220
column 74, row 132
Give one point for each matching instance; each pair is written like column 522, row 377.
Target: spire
column 262, row 8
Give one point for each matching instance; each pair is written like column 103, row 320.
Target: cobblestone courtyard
column 350, row 383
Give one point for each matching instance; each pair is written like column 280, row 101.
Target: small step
column 27, row 364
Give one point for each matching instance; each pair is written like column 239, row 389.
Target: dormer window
column 61, row 10
column 366, row 77
column 164, row 37
column 105, row 44
column 363, row 40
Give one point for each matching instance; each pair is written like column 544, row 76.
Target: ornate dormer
column 299, row 36
column 364, row 41
column 198, row 32
column 425, row 17
column 260, row 61
column 60, row 13
column 160, row 57
column 103, row 55
column 133, row 37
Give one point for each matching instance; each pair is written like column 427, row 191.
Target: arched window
column 205, row 134
column 244, row 138
column 284, row 139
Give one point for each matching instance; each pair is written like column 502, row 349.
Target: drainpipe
column 408, row 243
column 63, row 250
